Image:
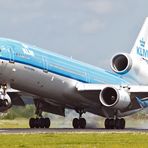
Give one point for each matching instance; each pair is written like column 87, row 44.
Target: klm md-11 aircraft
column 57, row 82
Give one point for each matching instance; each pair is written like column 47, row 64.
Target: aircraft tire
column 82, row 123
column 31, row 123
column 106, row 123
column 41, row 123
column 118, row 123
column 112, row 123
column 75, row 123
column 46, row 122
column 36, row 123
column 122, row 122
column 109, row 124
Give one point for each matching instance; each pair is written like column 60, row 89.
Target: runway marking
column 70, row 130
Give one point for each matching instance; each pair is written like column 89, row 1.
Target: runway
column 68, row 130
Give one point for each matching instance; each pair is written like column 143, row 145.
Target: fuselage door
column 45, row 65
column 11, row 55
column 7, row 67
column 87, row 77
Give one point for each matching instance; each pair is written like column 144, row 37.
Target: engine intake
column 5, row 102
column 111, row 97
column 121, row 63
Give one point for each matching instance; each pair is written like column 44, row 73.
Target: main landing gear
column 79, row 122
column 39, row 121
column 115, row 123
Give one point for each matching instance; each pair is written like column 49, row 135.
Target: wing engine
column 5, row 102
column 115, row 98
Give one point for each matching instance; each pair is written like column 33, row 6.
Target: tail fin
column 140, row 47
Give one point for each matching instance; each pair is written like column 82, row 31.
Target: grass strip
column 76, row 140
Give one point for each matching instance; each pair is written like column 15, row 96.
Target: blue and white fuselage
column 48, row 61
column 50, row 76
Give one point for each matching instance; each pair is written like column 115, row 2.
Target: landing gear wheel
column 46, row 122
column 75, row 123
column 109, row 123
column 112, row 123
column 117, row 124
column 82, row 123
column 39, row 123
column 31, row 123
column 79, row 123
column 106, row 123
column 36, row 122
column 122, row 123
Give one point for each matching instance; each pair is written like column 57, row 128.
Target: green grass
column 16, row 123
column 77, row 140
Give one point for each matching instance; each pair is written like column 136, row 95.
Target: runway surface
column 68, row 130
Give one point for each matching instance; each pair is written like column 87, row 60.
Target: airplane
column 57, row 82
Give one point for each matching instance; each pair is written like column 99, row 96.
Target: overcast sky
column 91, row 31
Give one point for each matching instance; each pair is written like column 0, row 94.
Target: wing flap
column 93, row 87
column 92, row 91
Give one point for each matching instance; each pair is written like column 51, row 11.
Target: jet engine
column 121, row 63
column 115, row 98
column 5, row 102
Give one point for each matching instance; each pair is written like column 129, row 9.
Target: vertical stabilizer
column 140, row 47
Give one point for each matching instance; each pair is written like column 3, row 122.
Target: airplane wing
column 137, row 90
column 138, row 94
column 18, row 98
column 91, row 92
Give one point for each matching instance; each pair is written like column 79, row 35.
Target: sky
column 91, row 31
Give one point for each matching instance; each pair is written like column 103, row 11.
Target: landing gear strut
column 115, row 123
column 4, row 88
column 39, row 121
column 79, row 122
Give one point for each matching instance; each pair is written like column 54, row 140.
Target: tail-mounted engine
column 121, row 63
column 111, row 97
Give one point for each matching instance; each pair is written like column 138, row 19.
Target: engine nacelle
column 121, row 63
column 5, row 102
column 111, row 97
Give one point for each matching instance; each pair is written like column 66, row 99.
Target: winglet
column 143, row 103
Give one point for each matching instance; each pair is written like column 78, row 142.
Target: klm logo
column 142, row 43
column 141, row 49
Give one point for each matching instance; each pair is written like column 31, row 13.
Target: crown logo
column 142, row 42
